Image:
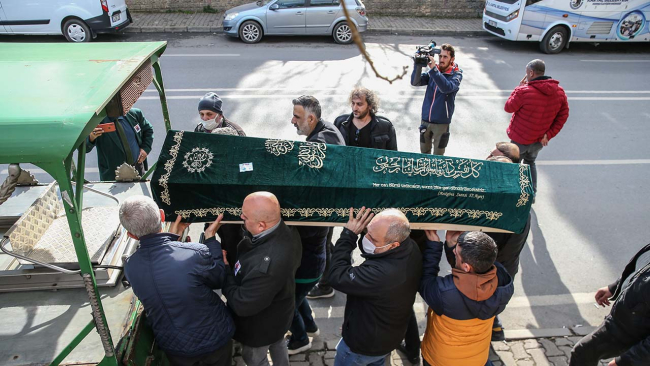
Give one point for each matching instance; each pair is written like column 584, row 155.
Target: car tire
column 342, row 33
column 77, row 31
column 555, row 40
column 250, row 32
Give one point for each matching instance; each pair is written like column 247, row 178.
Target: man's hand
column 142, row 156
column 432, row 62
column 612, row 363
column 523, row 81
column 452, row 237
column 211, row 230
column 178, row 227
column 95, row 134
column 356, row 225
column 224, row 253
column 544, row 140
column 432, row 235
column 602, row 296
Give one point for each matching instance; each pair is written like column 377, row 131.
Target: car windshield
column 263, row 2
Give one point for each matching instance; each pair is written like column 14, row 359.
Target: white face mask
column 369, row 247
column 211, row 124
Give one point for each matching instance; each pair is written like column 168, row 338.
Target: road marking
column 168, row 90
column 593, row 162
column 616, row 61
column 385, row 96
column 202, row 55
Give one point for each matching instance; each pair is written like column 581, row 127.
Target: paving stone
column 563, row 342
column 539, row 357
column 329, row 355
column 558, row 361
column 525, row 363
column 152, row 29
column 176, row 29
column 317, row 345
column 574, row 339
column 507, row 358
column 329, row 362
column 331, row 344
column 518, row 352
column 582, row 331
column 299, row 363
column 550, row 348
column 298, row 357
column 315, row 359
column 500, row 346
column 537, row 333
column 531, row 343
column 566, row 350
column 198, row 29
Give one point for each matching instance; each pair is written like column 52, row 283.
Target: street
column 590, row 214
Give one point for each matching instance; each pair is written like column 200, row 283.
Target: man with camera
column 442, row 82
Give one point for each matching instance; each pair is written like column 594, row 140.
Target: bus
column 555, row 23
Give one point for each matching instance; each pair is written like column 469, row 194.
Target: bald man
column 381, row 291
column 260, row 285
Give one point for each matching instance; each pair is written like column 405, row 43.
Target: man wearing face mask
column 212, row 118
column 260, row 285
column 462, row 305
column 381, row 291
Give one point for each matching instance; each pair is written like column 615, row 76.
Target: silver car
column 250, row 22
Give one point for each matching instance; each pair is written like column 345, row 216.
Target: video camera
column 422, row 53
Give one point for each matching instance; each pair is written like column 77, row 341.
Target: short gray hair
column 140, row 216
column 537, row 66
column 398, row 230
column 309, row 103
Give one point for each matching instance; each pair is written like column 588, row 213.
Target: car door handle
column 299, row 13
column 330, row 12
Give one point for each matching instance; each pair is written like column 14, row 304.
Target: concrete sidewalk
column 206, row 22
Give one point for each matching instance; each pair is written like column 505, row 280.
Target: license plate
column 492, row 23
column 116, row 17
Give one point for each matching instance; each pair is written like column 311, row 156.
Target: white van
column 77, row 20
column 555, row 23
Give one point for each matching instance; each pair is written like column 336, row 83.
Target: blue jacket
column 174, row 281
column 440, row 97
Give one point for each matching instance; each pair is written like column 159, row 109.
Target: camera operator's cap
column 210, row 102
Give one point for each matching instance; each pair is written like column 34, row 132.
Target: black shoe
column 498, row 335
column 297, row 347
column 415, row 360
column 313, row 331
column 319, row 292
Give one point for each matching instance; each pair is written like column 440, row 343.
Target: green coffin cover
column 200, row 176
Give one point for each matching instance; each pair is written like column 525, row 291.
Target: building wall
column 430, row 8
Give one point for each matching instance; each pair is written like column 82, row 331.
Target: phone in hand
column 107, row 127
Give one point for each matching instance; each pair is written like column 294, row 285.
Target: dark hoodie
column 539, row 107
column 462, row 307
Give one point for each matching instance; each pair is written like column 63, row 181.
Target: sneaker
column 498, row 335
column 297, row 347
column 415, row 360
column 313, row 332
column 319, row 292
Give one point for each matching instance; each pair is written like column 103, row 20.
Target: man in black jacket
column 381, row 291
column 625, row 333
column 260, row 286
column 362, row 127
column 308, row 122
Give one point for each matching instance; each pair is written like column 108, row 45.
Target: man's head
column 534, row 69
column 507, row 149
column 141, row 216
column 446, row 57
column 387, row 230
column 475, row 252
column 306, row 114
column 260, row 212
column 210, row 107
column 363, row 102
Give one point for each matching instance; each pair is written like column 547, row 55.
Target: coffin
column 200, row 176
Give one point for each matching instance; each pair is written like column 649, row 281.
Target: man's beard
column 362, row 115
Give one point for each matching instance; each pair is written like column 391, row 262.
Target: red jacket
column 538, row 108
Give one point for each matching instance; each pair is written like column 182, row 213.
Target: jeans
column 345, row 357
column 431, row 136
column 528, row 154
column 302, row 318
column 220, row 357
column 256, row 356
column 596, row 346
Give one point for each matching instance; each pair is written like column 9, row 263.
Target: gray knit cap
column 211, row 102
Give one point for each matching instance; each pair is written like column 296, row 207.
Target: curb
column 375, row 31
column 521, row 334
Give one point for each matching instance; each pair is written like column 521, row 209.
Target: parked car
column 250, row 22
column 77, row 20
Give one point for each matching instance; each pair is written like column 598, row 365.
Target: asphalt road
column 591, row 213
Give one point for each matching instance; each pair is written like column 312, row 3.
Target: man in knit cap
column 212, row 118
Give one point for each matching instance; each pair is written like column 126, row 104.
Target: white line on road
column 593, row 162
column 385, row 96
column 202, row 55
column 169, row 90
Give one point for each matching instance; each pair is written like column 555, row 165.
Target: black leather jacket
column 629, row 319
column 382, row 132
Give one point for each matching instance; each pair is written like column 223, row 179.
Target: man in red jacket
column 539, row 109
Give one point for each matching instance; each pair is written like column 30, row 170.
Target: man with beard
column 442, row 82
column 362, row 127
column 314, row 239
